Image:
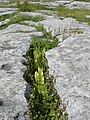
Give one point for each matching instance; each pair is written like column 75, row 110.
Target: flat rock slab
column 31, row 14
column 12, row 84
column 8, row 9
column 63, row 2
column 6, row 13
column 79, row 5
column 70, row 65
column 64, row 28
column 52, row 4
column 48, row 4
column 13, row 28
column 34, row 14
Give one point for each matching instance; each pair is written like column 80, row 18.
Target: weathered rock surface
column 48, row 4
column 70, row 65
column 17, row 28
column 37, row 13
column 64, row 28
column 69, row 62
column 12, row 84
column 52, row 4
column 6, row 13
column 8, row 9
column 79, row 5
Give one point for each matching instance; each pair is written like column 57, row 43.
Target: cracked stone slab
column 64, row 28
column 35, row 14
column 48, row 4
column 79, row 5
column 12, row 84
column 8, row 9
column 70, row 65
column 17, row 28
column 6, row 13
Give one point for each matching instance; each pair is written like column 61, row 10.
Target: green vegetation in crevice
column 19, row 18
column 27, row 6
column 46, row 35
column 3, row 17
column 44, row 102
column 39, row 27
column 79, row 14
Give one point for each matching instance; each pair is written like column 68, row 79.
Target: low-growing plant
column 39, row 27
column 44, row 43
column 47, row 35
column 44, row 101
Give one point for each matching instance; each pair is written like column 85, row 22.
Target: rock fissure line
column 44, row 102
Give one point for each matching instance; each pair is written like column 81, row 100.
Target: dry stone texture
column 70, row 65
column 69, row 62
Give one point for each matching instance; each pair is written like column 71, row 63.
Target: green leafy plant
column 44, row 101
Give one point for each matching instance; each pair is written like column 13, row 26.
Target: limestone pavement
column 69, row 62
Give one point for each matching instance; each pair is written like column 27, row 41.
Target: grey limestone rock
column 8, row 9
column 48, row 4
column 70, row 65
column 6, row 13
column 37, row 13
column 12, row 84
column 13, row 28
column 64, row 28
column 78, row 5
